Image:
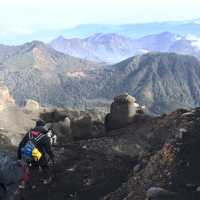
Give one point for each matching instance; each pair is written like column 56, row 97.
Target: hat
column 40, row 123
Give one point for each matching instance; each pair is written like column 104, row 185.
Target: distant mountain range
column 160, row 81
column 136, row 30
column 133, row 31
column 108, row 48
column 113, row 48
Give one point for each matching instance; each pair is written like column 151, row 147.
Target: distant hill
column 38, row 55
column 33, row 71
column 113, row 48
column 161, row 81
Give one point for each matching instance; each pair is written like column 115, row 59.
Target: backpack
column 30, row 152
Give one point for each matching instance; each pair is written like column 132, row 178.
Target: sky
column 25, row 17
column 30, row 15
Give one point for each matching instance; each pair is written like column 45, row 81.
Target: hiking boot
column 47, row 181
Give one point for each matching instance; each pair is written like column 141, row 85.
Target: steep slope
column 172, row 171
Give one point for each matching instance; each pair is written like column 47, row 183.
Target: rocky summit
column 148, row 158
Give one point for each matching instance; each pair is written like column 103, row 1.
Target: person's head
column 40, row 123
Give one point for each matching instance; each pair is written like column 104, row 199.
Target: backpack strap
column 30, row 135
column 36, row 139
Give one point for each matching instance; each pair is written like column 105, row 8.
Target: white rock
column 32, row 105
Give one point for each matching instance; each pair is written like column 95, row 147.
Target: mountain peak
column 59, row 39
column 104, row 37
column 29, row 46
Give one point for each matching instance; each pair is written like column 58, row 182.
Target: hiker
column 35, row 151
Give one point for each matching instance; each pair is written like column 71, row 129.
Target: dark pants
column 43, row 164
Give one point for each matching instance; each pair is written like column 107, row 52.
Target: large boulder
column 5, row 98
column 63, row 130
column 122, row 111
column 88, row 125
column 82, row 127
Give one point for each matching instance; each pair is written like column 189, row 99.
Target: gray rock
column 63, row 130
column 157, row 193
column 10, row 175
column 82, row 127
column 122, row 111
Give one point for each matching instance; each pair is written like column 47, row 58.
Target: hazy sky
column 26, row 16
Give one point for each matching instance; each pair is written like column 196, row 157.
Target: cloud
column 3, row 34
column 20, row 31
column 195, row 41
column 15, row 31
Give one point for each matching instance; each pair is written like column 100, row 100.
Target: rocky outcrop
column 122, row 111
column 15, row 122
column 75, row 125
column 173, row 164
column 63, row 130
column 5, row 98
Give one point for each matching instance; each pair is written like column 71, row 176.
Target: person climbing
column 35, row 151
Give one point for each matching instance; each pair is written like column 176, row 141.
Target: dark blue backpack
column 27, row 151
